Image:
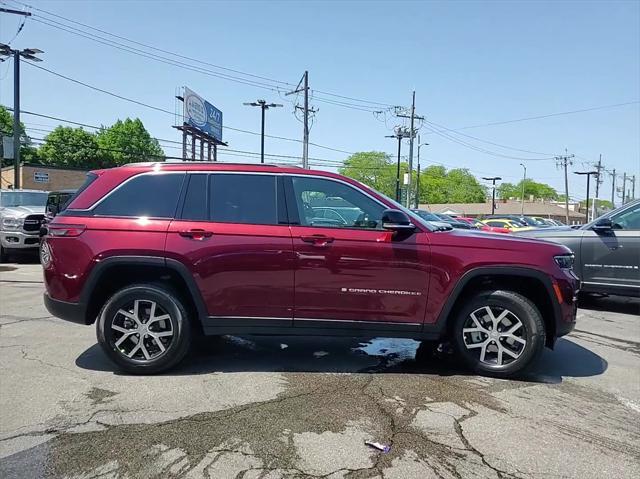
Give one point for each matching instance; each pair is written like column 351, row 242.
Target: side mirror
column 603, row 224
column 53, row 209
column 396, row 220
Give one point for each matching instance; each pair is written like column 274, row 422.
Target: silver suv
column 21, row 214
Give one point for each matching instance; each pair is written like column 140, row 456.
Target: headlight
column 565, row 261
column 10, row 223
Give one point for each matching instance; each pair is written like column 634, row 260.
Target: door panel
column 349, row 268
column 612, row 256
column 242, row 270
column 232, row 233
column 360, row 276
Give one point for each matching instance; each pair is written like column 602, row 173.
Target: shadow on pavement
column 612, row 304
column 24, row 257
column 347, row 355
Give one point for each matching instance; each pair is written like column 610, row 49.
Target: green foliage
column 73, row 147
column 374, row 169
column 27, row 152
column 531, row 188
column 124, row 142
column 128, row 141
column 437, row 185
column 600, row 204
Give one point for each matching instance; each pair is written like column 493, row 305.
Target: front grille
column 33, row 222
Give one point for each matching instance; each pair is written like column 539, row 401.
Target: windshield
column 23, row 198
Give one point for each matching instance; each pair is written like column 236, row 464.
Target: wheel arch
column 113, row 273
column 531, row 283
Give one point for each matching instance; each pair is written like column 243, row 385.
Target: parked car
column 56, row 202
column 522, row 219
column 157, row 253
column 506, row 223
column 607, row 250
column 477, row 224
column 453, row 222
column 547, row 221
column 21, row 213
column 432, row 219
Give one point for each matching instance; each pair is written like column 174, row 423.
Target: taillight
column 65, row 230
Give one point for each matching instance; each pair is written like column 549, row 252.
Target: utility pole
column 588, row 175
column 264, row 106
column 624, row 186
column 564, row 161
column 303, row 86
column 418, row 177
column 599, row 180
column 524, row 179
column 28, row 54
column 633, row 187
column 400, row 134
column 613, row 188
column 493, row 179
column 412, row 135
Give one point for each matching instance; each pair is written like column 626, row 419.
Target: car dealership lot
column 296, row 407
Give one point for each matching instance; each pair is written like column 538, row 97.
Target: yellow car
column 507, row 224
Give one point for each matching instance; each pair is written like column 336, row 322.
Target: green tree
column 374, row 169
column 531, row 188
column 73, row 147
column 128, row 141
column 437, row 185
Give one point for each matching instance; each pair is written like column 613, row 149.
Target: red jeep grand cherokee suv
column 158, row 252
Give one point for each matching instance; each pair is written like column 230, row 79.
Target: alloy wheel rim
column 142, row 330
column 495, row 334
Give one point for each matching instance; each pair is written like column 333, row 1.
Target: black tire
column 4, row 256
column 531, row 330
column 168, row 302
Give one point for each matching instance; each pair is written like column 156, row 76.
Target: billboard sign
column 202, row 115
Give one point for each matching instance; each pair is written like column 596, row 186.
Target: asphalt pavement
column 273, row 407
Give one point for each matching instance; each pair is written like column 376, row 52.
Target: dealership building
column 42, row 177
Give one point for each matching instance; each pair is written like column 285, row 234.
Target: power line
column 482, row 150
column 56, row 24
column 146, row 105
column 570, row 112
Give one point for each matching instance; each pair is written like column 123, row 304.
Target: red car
column 156, row 253
column 482, row 226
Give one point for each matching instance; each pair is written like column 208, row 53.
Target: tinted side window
column 155, row 196
column 351, row 208
column 249, row 199
column 195, row 201
column 627, row 220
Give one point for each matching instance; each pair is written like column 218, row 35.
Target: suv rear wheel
column 144, row 329
column 499, row 333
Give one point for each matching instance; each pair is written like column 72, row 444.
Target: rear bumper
column 74, row 312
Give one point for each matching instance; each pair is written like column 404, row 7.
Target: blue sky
column 471, row 63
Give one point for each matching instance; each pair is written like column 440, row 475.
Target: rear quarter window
column 148, row 195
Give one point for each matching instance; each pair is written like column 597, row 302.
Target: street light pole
column 28, row 54
column 588, row 174
column 524, row 179
column 493, row 180
column 263, row 107
column 418, row 177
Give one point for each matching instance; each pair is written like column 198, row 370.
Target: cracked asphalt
column 283, row 407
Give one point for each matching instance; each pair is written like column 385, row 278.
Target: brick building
column 40, row 177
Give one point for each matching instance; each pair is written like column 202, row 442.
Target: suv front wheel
column 499, row 333
column 144, row 329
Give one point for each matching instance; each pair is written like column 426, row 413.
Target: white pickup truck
column 21, row 214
